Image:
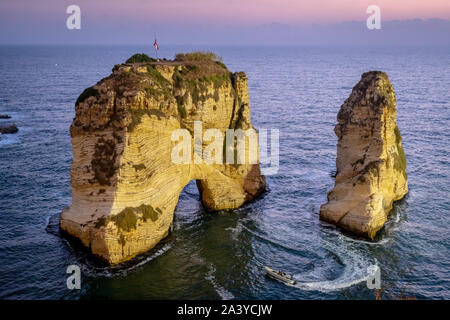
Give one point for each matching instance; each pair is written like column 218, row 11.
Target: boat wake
column 357, row 268
column 221, row 291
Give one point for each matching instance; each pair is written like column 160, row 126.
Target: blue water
column 221, row 255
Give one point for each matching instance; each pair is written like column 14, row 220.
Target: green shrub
column 139, row 167
column 89, row 92
column 125, row 219
column 140, row 57
column 220, row 63
column 149, row 213
column 398, row 137
column 136, row 115
column 198, row 56
column 157, row 75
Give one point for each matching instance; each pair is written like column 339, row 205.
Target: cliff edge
column 125, row 184
column 371, row 163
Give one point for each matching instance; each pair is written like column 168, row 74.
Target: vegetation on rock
column 112, row 148
column 198, row 56
column 127, row 219
column 139, row 58
column 136, row 116
column 89, row 92
column 371, row 163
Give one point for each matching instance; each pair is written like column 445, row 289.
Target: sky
column 259, row 22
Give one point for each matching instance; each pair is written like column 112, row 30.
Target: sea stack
column 371, row 163
column 125, row 184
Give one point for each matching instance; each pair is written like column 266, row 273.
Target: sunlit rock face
column 125, row 184
column 371, row 163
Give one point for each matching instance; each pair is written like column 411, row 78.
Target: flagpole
column 156, row 50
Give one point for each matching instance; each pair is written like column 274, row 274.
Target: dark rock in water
column 9, row 128
column 4, row 116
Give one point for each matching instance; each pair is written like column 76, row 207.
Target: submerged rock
column 8, row 128
column 371, row 163
column 125, row 186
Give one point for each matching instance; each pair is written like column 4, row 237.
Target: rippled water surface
column 221, row 255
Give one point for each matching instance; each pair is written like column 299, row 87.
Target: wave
column 241, row 226
column 120, row 271
column 8, row 139
column 360, row 241
column 235, row 231
column 90, row 265
column 223, row 293
column 357, row 268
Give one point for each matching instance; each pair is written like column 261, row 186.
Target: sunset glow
column 247, row 12
column 224, row 21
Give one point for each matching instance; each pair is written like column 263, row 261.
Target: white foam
column 223, row 293
column 236, row 231
column 7, row 139
column 359, row 241
column 357, row 268
column 153, row 256
column 110, row 272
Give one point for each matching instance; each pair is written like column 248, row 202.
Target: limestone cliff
column 371, row 164
column 125, row 185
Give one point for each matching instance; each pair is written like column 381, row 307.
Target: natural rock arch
column 125, row 185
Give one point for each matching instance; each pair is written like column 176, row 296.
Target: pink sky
column 224, row 21
column 290, row 11
column 241, row 12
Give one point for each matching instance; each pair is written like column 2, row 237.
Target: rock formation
column 8, row 128
column 371, row 164
column 125, row 186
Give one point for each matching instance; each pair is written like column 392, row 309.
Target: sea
column 221, row 255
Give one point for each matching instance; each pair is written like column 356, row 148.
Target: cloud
column 214, row 22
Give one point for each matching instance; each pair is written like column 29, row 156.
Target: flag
column 155, row 44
